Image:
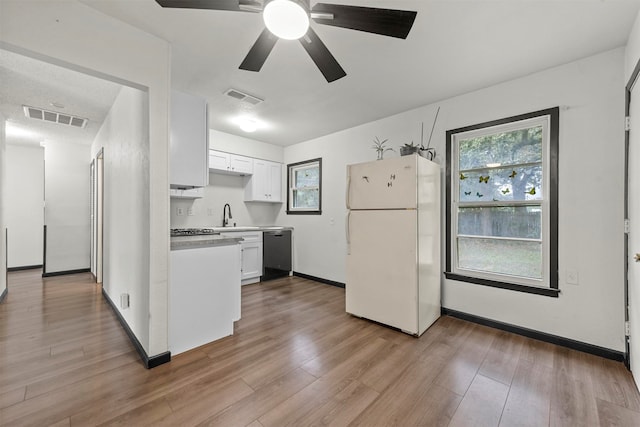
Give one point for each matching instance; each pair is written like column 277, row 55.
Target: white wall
column 228, row 143
column 74, row 35
column 590, row 95
column 68, row 208
column 3, row 186
column 632, row 51
column 124, row 135
column 24, row 197
column 207, row 212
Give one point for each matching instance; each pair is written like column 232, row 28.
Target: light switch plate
column 179, row 211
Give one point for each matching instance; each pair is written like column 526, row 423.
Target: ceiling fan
column 289, row 19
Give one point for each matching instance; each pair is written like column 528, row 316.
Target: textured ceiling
column 454, row 47
column 27, row 81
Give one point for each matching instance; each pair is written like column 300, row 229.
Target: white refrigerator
column 393, row 242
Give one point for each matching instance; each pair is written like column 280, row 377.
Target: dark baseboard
column 319, row 279
column 24, row 267
column 63, row 273
column 540, row 336
column 149, row 362
column 4, row 294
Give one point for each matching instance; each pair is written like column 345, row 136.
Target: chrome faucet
column 225, row 220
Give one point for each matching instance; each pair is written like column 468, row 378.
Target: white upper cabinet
column 220, row 162
column 265, row 185
column 189, row 141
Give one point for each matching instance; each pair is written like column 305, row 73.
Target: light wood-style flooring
column 295, row 359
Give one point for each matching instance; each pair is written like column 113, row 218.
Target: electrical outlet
column 190, row 211
column 572, row 277
column 179, row 211
column 124, row 300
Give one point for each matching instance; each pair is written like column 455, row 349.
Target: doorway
column 97, row 215
column 632, row 213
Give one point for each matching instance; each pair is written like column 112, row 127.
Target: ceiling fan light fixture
column 248, row 125
column 286, row 19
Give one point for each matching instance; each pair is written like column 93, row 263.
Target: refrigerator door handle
column 347, row 230
column 348, row 191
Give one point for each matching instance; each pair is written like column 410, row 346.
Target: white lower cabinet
column 204, row 295
column 251, row 258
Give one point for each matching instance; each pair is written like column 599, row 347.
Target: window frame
column 291, row 168
column 548, row 286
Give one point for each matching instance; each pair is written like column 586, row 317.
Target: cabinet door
column 275, row 182
column 259, row 187
column 251, row 260
column 219, row 160
column 241, row 164
column 189, row 141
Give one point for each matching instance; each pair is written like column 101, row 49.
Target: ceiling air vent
column 243, row 97
column 53, row 117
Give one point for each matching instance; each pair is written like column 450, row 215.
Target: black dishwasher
column 276, row 254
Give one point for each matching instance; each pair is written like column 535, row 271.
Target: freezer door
column 383, row 184
column 382, row 267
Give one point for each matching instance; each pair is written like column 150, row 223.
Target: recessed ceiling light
column 286, row 19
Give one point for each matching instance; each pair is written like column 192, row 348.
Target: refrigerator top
column 396, row 183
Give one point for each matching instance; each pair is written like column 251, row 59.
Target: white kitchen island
column 204, row 291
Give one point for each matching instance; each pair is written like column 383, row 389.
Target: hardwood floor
column 296, row 359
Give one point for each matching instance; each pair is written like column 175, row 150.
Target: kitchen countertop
column 251, row 228
column 209, row 240
column 206, row 241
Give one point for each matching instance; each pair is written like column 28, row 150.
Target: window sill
column 549, row 292
column 304, row 212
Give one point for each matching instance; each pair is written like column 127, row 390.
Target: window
column 304, row 184
column 502, row 203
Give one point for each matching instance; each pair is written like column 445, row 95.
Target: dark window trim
column 315, row 211
column 554, row 131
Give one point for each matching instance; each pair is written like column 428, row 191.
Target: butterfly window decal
column 505, row 191
column 479, row 195
column 467, row 193
column 462, row 176
column 513, row 174
column 531, row 192
column 484, row 179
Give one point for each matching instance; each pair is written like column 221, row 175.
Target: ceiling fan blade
column 325, row 61
column 259, row 51
column 237, row 5
column 386, row 22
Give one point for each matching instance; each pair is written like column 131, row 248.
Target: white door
column 634, row 234
column 382, row 271
column 383, row 184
